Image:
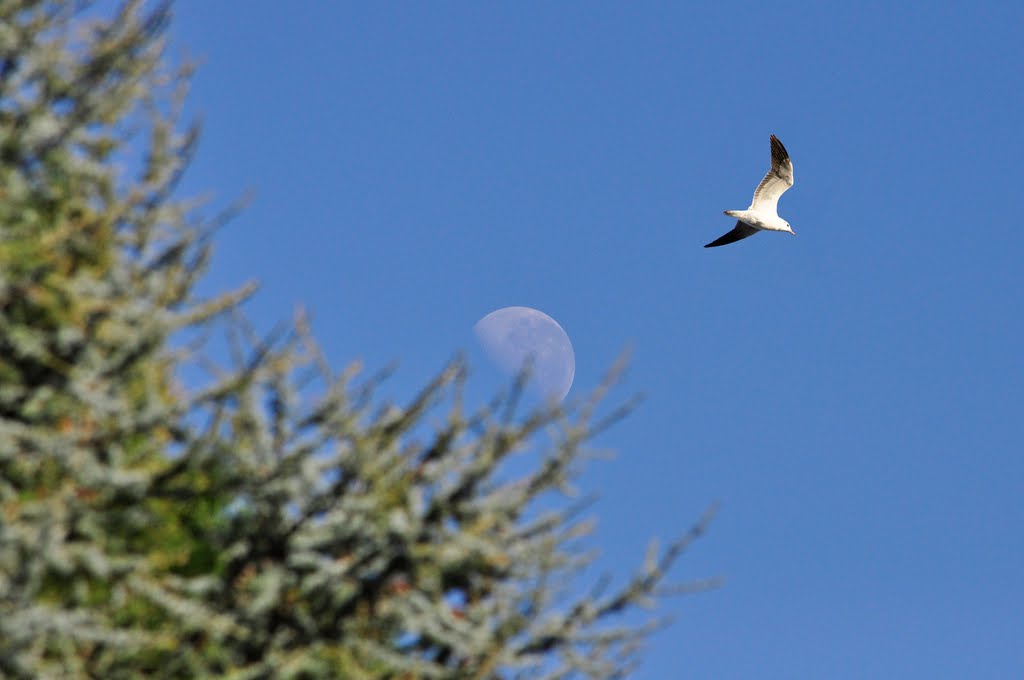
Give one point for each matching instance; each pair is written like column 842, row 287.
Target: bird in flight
column 763, row 211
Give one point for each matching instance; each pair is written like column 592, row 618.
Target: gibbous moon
column 513, row 336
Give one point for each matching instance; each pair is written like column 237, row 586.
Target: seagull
column 763, row 210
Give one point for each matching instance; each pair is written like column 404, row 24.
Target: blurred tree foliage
column 275, row 522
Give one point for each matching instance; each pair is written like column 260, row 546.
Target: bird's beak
column 791, row 231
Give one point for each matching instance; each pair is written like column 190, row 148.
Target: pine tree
column 276, row 521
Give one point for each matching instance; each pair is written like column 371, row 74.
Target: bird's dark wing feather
column 739, row 232
column 779, row 154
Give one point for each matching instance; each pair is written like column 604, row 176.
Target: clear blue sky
column 852, row 395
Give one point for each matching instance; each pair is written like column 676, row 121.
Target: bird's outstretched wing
column 775, row 183
column 740, row 231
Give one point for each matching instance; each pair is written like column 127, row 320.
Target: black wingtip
column 779, row 153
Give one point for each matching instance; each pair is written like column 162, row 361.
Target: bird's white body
column 761, row 219
column 763, row 213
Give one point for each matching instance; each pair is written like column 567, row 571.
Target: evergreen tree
column 276, row 522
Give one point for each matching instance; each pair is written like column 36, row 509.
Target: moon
column 511, row 336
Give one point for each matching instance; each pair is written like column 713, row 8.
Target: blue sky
column 851, row 395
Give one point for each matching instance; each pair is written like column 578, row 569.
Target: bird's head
column 790, row 229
